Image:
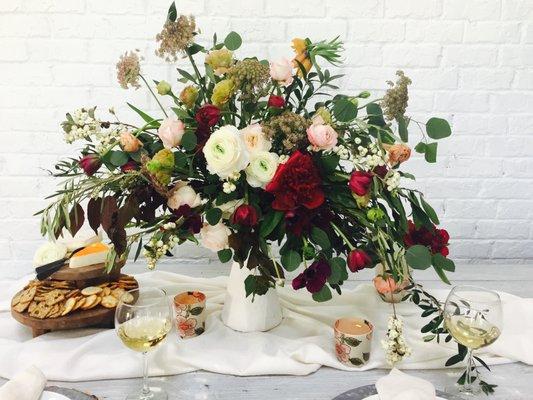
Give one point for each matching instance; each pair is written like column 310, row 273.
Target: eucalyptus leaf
column 319, row 237
column 213, row 216
column 291, row 260
column 233, row 41
column 323, row 295
column 438, row 128
column 431, row 152
column 344, row 110
column 189, row 141
column 418, row 257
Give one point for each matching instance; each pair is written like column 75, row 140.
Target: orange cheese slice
column 95, row 253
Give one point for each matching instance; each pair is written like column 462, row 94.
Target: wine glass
column 142, row 321
column 473, row 317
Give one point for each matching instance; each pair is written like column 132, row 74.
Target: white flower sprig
column 396, row 349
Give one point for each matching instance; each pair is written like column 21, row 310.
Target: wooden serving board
column 90, row 272
column 99, row 317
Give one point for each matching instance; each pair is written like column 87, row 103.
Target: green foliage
column 323, row 295
column 213, row 216
column 291, row 260
column 344, row 110
column 418, row 257
column 233, row 41
column 438, row 128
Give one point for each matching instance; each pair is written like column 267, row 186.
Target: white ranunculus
column 225, row 152
column 183, row 194
column 262, row 168
column 230, row 207
column 254, row 139
column 214, row 237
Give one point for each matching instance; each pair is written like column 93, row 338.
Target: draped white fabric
column 300, row 345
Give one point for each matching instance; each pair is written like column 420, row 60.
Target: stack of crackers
column 54, row 298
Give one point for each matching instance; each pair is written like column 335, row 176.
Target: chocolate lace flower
column 129, row 70
column 395, row 100
column 288, row 129
column 175, row 37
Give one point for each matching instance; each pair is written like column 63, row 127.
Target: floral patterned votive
column 353, row 340
column 190, row 314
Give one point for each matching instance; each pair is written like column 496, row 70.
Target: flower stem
column 153, row 94
column 343, row 237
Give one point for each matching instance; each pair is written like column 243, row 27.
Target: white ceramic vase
column 242, row 314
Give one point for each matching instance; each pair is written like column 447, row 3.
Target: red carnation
column 295, row 183
column 357, row 260
column 90, row 164
column 245, row 215
column 207, row 116
column 360, row 182
column 276, row 101
column 314, row 277
column 435, row 239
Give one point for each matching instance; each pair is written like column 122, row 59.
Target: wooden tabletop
column 516, row 380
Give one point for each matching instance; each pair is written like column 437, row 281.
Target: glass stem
column 145, row 389
column 468, row 376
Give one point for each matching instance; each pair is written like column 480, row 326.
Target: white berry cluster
column 229, row 186
column 158, row 246
column 392, row 180
column 371, row 156
column 342, row 151
column 395, row 346
column 81, row 125
column 107, row 137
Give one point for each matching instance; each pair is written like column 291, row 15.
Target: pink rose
column 170, row 132
column 322, row 137
column 281, row 71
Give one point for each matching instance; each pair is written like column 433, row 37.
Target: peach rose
column 129, row 143
column 388, row 285
column 281, row 71
column 170, row 132
column 322, row 137
column 398, row 153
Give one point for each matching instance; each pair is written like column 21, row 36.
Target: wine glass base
column 156, row 393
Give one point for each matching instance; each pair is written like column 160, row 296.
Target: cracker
column 16, row 298
column 68, row 306
column 105, row 292
column 73, row 293
column 80, row 301
column 91, row 290
column 32, row 306
column 55, row 311
column 127, row 298
column 109, row 302
column 97, row 301
column 53, row 297
column 41, row 311
column 28, row 295
column 89, row 301
column 21, row 307
column 117, row 293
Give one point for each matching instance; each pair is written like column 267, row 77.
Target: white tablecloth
column 300, row 345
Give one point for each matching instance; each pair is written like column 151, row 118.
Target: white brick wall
column 471, row 61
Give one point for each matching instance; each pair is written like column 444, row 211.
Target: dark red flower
column 357, row 260
column 435, row 239
column 245, row 215
column 314, row 277
column 360, row 182
column 207, row 116
column 129, row 166
column 380, row 170
column 90, row 163
column 276, row 101
column 192, row 221
column 296, row 183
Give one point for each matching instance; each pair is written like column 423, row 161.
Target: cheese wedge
column 83, row 238
column 93, row 254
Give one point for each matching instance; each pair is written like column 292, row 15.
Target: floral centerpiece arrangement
column 255, row 153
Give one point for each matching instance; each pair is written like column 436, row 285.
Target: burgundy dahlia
column 314, row 277
column 296, row 182
column 435, row 239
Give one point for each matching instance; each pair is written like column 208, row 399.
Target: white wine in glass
column 473, row 317
column 143, row 321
